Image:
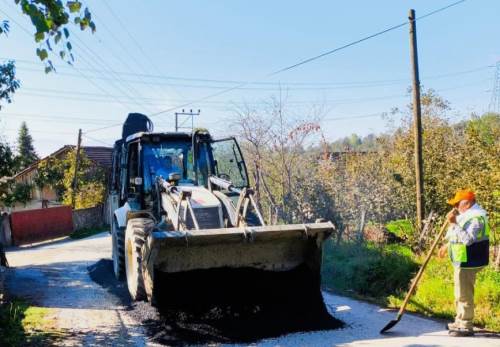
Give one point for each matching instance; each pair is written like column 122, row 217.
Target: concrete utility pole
column 77, row 165
column 417, row 121
column 189, row 115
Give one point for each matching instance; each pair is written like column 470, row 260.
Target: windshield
column 162, row 159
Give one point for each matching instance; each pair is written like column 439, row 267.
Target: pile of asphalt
column 224, row 305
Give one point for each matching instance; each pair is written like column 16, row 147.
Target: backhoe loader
column 187, row 229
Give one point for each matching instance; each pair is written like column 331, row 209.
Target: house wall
column 37, row 195
column 92, row 217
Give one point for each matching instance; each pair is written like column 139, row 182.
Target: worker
column 468, row 247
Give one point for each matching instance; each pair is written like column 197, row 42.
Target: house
column 101, row 156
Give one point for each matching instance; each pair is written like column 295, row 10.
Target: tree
column 12, row 193
column 6, row 160
column 281, row 169
column 50, row 173
column 8, row 82
column 50, row 19
column 381, row 180
column 91, row 182
column 26, row 152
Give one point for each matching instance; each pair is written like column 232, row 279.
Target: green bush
column 366, row 269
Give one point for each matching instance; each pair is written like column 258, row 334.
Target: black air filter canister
column 136, row 122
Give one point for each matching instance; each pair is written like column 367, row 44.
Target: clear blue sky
column 245, row 41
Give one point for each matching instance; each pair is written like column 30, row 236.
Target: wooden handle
column 421, row 271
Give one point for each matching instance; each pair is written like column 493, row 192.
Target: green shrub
column 403, row 229
column 366, row 269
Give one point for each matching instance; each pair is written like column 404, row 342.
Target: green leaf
column 42, row 53
column 66, row 32
column 62, row 54
column 68, row 45
column 57, row 38
column 48, row 69
column 92, row 26
column 39, row 36
column 74, row 6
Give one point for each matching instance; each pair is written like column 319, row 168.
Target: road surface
column 75, row 280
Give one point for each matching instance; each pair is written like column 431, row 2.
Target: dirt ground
column 75, row 280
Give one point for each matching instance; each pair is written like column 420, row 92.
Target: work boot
column 459, row 331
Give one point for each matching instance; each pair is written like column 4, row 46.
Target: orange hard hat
column 462, row 194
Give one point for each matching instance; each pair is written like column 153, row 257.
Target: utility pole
column 190, row 116
column 494, row 105
column 417, row 121
column 77, row 165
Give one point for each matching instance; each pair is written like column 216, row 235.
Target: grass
column 24, row 325
column 367, row 270
column 402, row 228
column 83, row 233
column 434, row 296
column 383, row 274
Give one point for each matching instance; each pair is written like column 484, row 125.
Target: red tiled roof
column 100, row 155
column 35, row 164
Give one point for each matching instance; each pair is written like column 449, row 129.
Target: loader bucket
column 247, row 267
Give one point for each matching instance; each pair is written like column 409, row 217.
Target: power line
column 96, row 58
column 345, row 84
column 43, row 131
column 366, row 38
column 310, row 59
column 67, row 119
column 239, row 85
column 95, row 97
column 97, row 140
column 127, row 52
column 371, row 115
column 137, row 44
column 72, row 66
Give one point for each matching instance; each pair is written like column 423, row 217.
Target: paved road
column 55, row 275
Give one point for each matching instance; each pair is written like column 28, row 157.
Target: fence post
column 425, row 230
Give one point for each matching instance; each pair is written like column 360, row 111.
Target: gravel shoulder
column 91, row 308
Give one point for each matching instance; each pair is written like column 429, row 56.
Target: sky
column 156, row 55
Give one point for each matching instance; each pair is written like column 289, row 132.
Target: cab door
column 229, row 163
